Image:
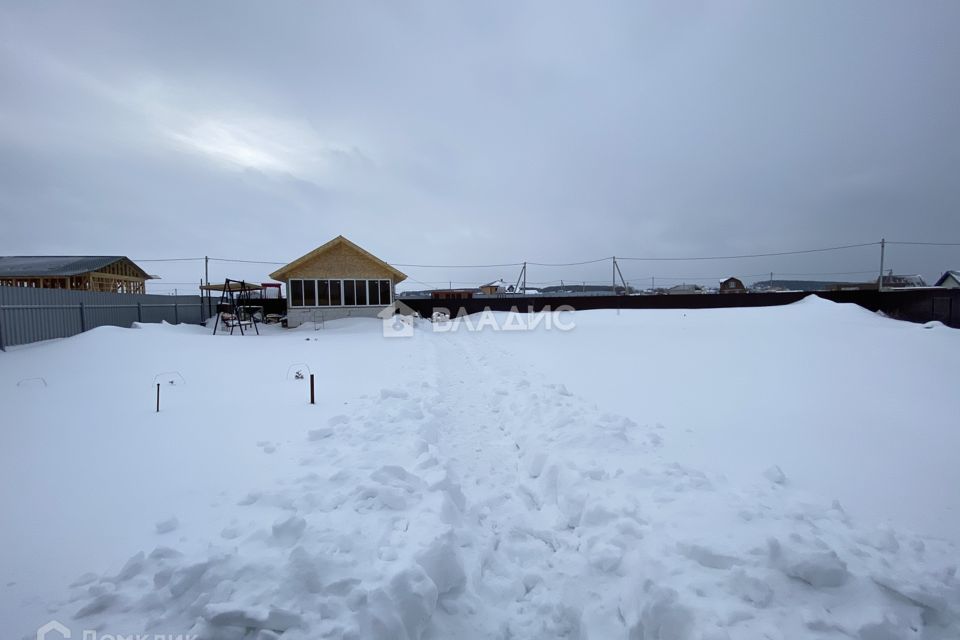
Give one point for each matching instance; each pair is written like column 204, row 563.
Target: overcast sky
column 484, row 132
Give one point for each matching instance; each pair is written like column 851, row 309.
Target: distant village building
column 681, row 289
column 732, row 285
column 949, row 280
column 495, row 287
column 452, row 294
column 115, row 274
column 892, row 281
column 336, row 280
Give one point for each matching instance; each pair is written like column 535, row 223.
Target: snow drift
column 451, row 485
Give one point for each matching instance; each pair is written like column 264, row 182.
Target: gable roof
column 895, row 280
column 948, row 274
column 280, row 273
column 58, row 266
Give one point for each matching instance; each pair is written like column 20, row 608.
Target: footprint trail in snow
column 473, row 501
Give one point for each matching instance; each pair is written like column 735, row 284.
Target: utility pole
column 206, row 281
column 623, row 281
column 613, row 277
column 883, row 246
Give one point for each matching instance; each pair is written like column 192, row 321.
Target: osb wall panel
column 340, row 262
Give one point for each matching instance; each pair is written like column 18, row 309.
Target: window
column 323, row 293
column 296, row 293
column 336, row 293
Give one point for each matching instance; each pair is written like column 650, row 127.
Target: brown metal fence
column 915, row 305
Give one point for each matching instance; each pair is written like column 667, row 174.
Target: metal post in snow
column 158, row 397
column 312, row 396
column 176, row 313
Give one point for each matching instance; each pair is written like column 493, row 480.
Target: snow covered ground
column 784, row 472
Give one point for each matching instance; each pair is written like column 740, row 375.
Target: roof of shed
column 56, row 266
column 233, row 285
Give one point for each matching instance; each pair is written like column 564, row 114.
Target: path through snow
column 471, row 501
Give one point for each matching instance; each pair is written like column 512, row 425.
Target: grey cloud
column 454, row 133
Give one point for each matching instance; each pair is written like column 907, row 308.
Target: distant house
column 495, row 287
column 732, row 285
column 949, row 279
column 681, row 289
column 810, row 285
column 452, row 294
column 116, row 274
column 902, row 281
column 336, row 280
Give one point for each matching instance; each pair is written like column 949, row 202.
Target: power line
column 247, row 261
column 929, row 244
column 754, row 275
column 760, row 255
column 456, row 266
column 604, row 259
column 568, row 264
column 826, row 273
column 676, row 259
column 690, row 278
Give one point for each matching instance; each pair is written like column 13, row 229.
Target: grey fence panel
column 97, row 315
column 31, row 315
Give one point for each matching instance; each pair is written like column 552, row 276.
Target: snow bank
column 454, row 535
column 457, row 490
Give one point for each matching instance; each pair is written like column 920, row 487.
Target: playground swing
column 235, row 308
